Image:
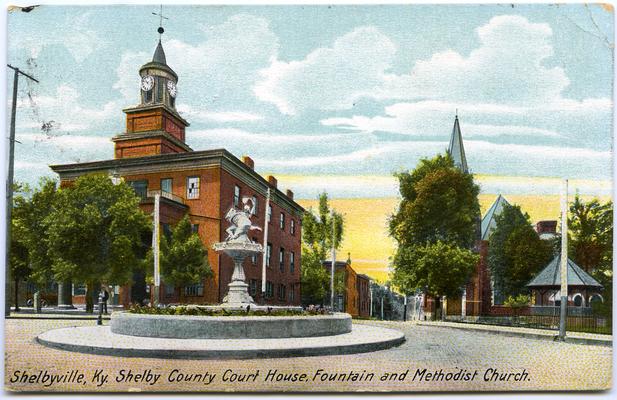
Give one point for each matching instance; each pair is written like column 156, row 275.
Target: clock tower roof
column 159, row 61
column 159, row 54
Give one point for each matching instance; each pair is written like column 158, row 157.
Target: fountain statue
column 238, row 246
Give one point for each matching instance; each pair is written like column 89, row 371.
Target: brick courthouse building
column 152, row 156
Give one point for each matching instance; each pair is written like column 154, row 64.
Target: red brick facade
column 152, row 150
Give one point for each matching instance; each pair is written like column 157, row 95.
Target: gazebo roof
column 551, row 276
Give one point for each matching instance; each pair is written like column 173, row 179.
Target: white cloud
column 329, row 78
column 194, row 115
column 64, row 111
column 507, row 68
column 506, row 74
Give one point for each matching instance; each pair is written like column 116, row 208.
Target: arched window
column 578, row 300
column 595, row 298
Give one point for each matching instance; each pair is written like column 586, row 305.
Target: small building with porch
column 583, row 289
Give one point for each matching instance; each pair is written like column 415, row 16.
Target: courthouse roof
column 488, row 222
column 550, row 276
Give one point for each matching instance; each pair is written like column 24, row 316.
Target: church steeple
column 456, row 149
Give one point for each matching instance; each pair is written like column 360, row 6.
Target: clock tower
column 154, row 126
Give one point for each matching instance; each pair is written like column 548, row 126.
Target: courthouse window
column 166, row 185
column 236, row 196
column 268, row 254
column 192, row 187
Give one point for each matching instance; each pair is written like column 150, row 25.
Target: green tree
column 317, row 241
column 442, row 268
column 31, row 209
column 439, row 203
column 183, row 257
column 590, row 233
column 19, row 257
column 439, row 210
column 95, row 233
column 29, row 234
column 590, row 242
column 516, row 253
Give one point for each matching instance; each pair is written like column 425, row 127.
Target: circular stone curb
column 100, row 340
column 228, row 327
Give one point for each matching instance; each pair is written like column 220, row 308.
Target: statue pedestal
column 238, row 294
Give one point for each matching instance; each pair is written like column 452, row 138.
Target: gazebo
column 583, row 290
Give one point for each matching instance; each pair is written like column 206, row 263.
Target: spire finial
column 160, row 30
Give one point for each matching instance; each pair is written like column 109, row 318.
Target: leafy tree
column 315, row 278
column 590, row 229
column 590, row 242
column 439, row 211
column 516, row 252
column 183, row 257
column 31, row 209
column 316, row 244
column 442, row 268
column 19, row 260
column 95, row 231
column 439, row 203
column 29, row 234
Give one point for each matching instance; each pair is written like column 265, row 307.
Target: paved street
column 528, row 364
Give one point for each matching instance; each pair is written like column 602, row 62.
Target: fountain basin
column 229, row 327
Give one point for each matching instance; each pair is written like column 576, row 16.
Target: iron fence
column 574, row 323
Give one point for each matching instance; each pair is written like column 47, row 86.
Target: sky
column 333, row 98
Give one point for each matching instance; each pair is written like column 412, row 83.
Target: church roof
column 551, row 276
column 456, row 149
column 159, row 55
column 489, row 224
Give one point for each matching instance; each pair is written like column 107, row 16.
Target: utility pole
column 333, row 255
column 564, row 263
column 9, row 188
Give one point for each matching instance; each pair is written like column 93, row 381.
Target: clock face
column 147, row 83
column 171, row 87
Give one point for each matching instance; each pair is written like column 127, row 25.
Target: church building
column 153, row 157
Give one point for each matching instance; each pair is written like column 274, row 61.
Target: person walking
column 105, row 296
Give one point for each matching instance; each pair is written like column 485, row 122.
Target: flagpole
column 156, row 248
column 265, row 246
column 564, row 262
column 333, row 255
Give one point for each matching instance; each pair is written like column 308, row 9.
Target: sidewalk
column 545, row 334
column 55, row 313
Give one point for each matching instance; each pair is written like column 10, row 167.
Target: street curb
column 100, row 340
column 64, row 317
column 529, row 335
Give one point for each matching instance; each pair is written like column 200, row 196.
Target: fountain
column 228, row 336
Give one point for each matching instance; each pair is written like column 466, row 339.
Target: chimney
column 290, row 194
column 543, row 227
column 248, row 161
column 272, row 180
